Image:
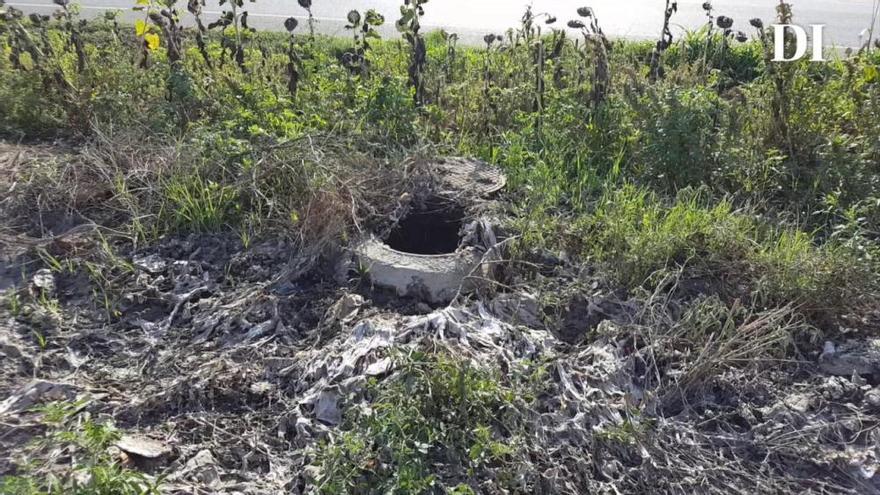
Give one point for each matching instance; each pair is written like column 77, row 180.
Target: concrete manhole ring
column 436, row 278
column 424, row 255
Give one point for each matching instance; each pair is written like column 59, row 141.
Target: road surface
column 844, row 19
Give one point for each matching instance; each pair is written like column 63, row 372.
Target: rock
column 152, row 264
column 326, row 409
column 872, row 398
column 838, row 388
column 519, row 309
column 203, row 468
column 859, row 357
column 44, row 280
column 261, row 388
column 345, row 309
column 143, row 447
column 380, row 367
column 798, row 402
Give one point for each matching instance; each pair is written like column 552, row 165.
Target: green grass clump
column 639, row 237
column 435, row 410
column 197, row 204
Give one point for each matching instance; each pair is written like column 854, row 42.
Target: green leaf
column 871, row 74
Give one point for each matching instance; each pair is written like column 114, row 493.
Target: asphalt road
column 844, row 19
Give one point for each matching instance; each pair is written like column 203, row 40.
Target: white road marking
column 210, row 12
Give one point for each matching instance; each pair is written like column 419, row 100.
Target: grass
column 437, row 407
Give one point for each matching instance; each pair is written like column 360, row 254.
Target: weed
column 435, row 406
column 595, row 39
column 199, row 204
column 294, row 62
column 88, row 469
column 410, row 27
column 307, row 4
column 665, row 41
column 13, row 302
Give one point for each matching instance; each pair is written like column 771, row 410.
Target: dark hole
column 430, row 230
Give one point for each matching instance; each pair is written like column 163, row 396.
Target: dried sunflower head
column 354, row 17
column 290, row 24
column 707, row 6
column 550, row 20
column 575, row 24
column 306, row 4
column 741, row 37
column 724, row 22
column 489, row 39
column 757, row 23
column 585, row 12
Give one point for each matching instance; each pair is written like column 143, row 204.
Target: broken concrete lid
column 142, row 446
column 467, row 176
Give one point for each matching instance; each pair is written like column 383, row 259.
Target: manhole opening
column 432, row 229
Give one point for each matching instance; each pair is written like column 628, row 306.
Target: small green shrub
column 678, row 136
column 434, row 410
column 87, row 469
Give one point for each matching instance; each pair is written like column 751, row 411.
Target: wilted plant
column 164, row 18
column 72, row 25
column 528, row 28
column 493, row 42
column 56, row 81
column 294, row 62
column 535, row 41
column 146, row 32
column 450, row 41
column 111, row 17
column 665, row 41
column 195, row 8
column 595, row 40
column 410, row 27
column 168, row 21
column 781, row 75
column 307, row 4
column 363, row 29
column 726, row 25
column 20, row 39
column 236, row 18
